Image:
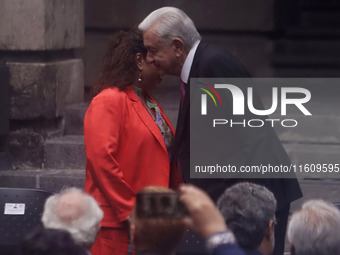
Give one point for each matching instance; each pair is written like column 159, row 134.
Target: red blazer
column 125, row 152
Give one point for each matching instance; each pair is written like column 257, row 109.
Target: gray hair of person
column 169, row 23
column 247, row 209
column 82, row 223
column 315, row 229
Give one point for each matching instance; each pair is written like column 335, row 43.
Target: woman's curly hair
column 119, row 67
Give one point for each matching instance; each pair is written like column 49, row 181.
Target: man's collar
column 188, row 63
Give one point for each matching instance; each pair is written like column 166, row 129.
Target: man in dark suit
column 175, row 47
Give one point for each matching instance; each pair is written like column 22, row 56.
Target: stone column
column 39, row 40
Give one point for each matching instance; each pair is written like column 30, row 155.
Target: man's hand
column 204, row 217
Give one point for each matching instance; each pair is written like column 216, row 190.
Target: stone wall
column 39, row 42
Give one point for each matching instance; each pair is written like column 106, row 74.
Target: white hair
column 315, row 229
column 169, row 23
column 76, row 212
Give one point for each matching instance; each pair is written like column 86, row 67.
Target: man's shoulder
column 211, row 61
column 210, row 51
column 228, row 249
column 233, row 249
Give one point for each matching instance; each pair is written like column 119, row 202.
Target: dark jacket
column 233, row 249
column 263, row 145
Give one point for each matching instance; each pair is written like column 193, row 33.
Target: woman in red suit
column 127, row 139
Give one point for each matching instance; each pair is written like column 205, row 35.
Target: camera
column 164, row 204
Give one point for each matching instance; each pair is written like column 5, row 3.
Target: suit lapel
column 145, row 116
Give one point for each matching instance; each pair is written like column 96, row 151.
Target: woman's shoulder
column 111, row 94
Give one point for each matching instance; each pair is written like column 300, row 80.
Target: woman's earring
column 139, row 76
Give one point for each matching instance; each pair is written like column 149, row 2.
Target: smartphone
column 153, row 204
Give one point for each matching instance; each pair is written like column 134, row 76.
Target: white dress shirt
column 188, row 62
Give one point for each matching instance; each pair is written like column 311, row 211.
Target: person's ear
column 271, row 227
column 270, row 230
column 178, row 45
column 139, row 61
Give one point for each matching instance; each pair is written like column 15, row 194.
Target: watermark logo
column 245, row 103
column 239, row 99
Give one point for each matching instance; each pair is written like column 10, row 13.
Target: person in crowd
column 314, row 230
column 175, row 48
column 44, row 241
column 205, row 218
column 249, row 212
column 127, row 139
column 75, row 212
column 156, row 235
